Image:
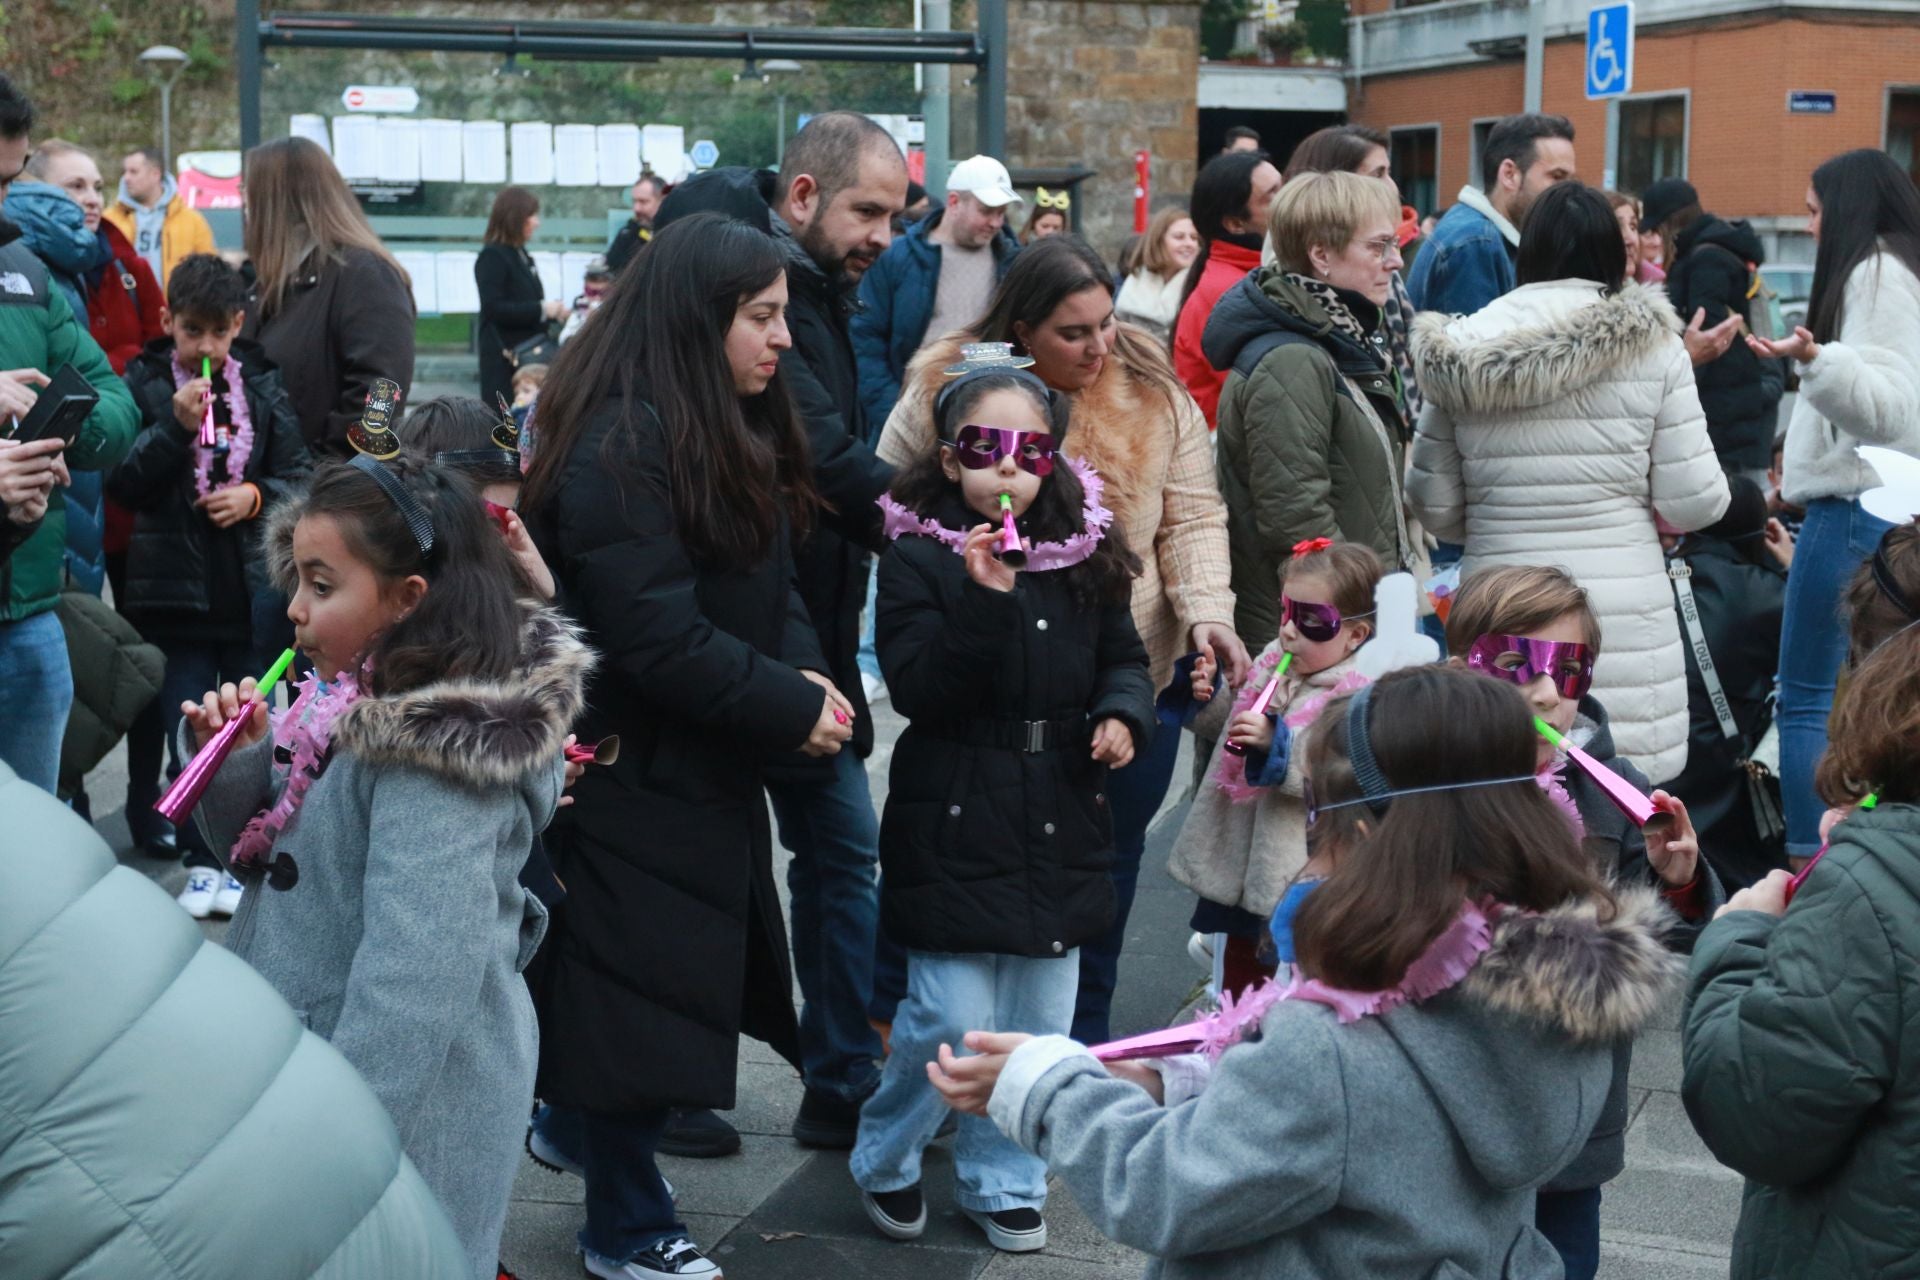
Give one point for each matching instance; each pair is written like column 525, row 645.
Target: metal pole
column 992, row 81
column 166, row 126
column 780, row 130
column 246, row 38
column 936, row 108
column 1610, row 178
column 1536, row 51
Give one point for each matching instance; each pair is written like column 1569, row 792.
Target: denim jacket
column 1468, row 261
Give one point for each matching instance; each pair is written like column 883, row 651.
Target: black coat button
column 283, row 872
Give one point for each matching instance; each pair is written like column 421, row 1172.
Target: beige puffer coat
column 1558, row 419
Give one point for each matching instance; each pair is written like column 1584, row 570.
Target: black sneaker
column 674, row 1256
column 826, row 1120
column 698, row 1135
column 1012, row 1230
column 900, row 1215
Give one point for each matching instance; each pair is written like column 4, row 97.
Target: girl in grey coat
column 1445, row 1051
column 384, row 821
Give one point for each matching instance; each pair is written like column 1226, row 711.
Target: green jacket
column 1299, row 455
column 38, row 330
column 1802, row 1055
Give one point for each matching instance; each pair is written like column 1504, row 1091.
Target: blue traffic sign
column 705, row 154
column 1610, row 50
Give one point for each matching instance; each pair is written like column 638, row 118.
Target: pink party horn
column 185, row 793
column 1867, row 801
column 1265, row 700
column 605, row 751
column 1625, row 796
column 1010, row 552
column 209, row 433
column 1152, row 1044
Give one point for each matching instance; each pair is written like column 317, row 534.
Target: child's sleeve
column 1695, row 904
column 939, row 663
column 242, row 788
column 1123, row 689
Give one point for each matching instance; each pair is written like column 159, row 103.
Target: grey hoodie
column 1404, row 1146
column 148, row 223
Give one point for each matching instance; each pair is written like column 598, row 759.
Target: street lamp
column 769, row 69
column 170, row 62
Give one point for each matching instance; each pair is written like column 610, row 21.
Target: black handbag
column 541, row 348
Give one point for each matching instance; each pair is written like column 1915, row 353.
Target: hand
column 966, row 1084
column 28, row 473
column 840, row 699
column 1779, row 542
column 835, row 724
column 574, row 769
column 1704, row 346
column 1800, row 346
column 1831, row 819
column 1203, row 671
column 520, row 543
column 1224, row 641
column 190, row 404
column 1113, row 743
column 1251, row 730
column 229, row 506
column 15, row 397
column 1143, row 1075
column 553, row 310
column 1673, row 849
column 1770, row 896
column 221, row 705
column 990, row 573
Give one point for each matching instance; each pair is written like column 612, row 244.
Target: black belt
column 1030, row 736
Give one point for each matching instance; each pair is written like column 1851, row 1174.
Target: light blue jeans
column 36, row 693
column 948, row 996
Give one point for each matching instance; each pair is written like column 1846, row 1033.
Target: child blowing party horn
column 185, row 793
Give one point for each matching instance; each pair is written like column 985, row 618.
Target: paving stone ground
column 777, row 1211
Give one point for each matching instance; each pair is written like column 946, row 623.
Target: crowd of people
column 572, row 655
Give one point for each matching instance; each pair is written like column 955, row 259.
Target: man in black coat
column 631, row 238
column 841, row 181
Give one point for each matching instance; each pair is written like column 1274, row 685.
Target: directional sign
column 704, row 154
column 1610, row 50
column 380, row 97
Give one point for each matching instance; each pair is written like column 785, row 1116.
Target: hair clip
column 418, row 522
column 1060, row 201
column 373, row 435
column 981, row 357
column 506, row 432
column 1311, row 545
column 501, row 461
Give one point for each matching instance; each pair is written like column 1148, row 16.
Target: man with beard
column 841, row 181
column 1468, row 261
column 647, row 195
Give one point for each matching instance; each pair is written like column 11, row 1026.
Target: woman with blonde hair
column 1135, row 425
column 1150, row 295
column 332, row 307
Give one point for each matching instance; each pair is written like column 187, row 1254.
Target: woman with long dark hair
column 670, row 476
column 1231, row 198
column 1558, row 419
column 1139, row 429
column 1859, row 362
column 513, row 303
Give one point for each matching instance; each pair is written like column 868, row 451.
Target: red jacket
column 123, row 306
column 1227, row 263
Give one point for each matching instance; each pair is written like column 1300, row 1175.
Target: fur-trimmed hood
column 1537, row 344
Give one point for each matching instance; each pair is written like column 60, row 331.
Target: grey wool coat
column 1402, row 1146
column 403, row 932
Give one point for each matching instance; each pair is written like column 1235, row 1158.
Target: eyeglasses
column 976, row 448
column 1315, row 621
column 1381, row 248
column 1521, row 661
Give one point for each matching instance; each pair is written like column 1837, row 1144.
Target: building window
column 1653, row 141
column 1903, row 129
column 1415, row 157
column 1481, row 128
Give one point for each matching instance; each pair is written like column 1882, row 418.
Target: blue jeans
column 1837, row 537
column 193, row 667
column 628, row 1206
column 869, row 656
column 1133, row 796
column 1570, row 1220
column 36, row 694
column 948, row 996
column 833, row 882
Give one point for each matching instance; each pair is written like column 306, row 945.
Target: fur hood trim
column 482, row 733
column 1597, row 980
column 1536, row 345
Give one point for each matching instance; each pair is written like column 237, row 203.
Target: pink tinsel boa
column 239, row 442
column 305, row 731
column 1230, row 771
column 1552, row 780
column 899, row 521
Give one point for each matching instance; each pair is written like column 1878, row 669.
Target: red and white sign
column 381, row 97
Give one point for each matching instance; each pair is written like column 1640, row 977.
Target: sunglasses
column 1315, row 621
column 977, row 448
column 1522, row 661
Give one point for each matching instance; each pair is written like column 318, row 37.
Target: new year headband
column 1059, row 201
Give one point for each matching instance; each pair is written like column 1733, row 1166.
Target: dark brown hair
column 300, row 214
column 1873, row 739
column 1337, row 148
column 1514, row 601
column 1868, row 206
column 507, row 224
column 1350, row 570
column 1872, row 614
column 1396, row 886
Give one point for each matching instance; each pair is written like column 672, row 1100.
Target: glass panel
column 1653, row 141
column 1903, row 130
column 1415, row 160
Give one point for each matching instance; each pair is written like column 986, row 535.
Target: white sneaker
column 227, row 901
column 672, row 1257
column 1200, row 949
column 874, row 687
column 203, row 887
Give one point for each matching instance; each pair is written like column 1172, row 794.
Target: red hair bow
column 1310, row 546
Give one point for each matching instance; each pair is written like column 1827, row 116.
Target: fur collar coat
column 1150, row 444
column 1558, row 420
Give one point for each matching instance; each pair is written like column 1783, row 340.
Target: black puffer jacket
column 173, row 559
column 991, row 849
column 1740, row 392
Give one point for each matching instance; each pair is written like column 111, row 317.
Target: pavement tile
column 735, row 1185
column 749, row 1253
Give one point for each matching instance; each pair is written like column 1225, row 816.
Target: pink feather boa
column 1229, row 771
column 899, row 521
column 239, row 443
column 305, row 731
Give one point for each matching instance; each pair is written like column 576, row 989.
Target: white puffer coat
column 1558, row 420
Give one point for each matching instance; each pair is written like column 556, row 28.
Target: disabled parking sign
column 1610, row 50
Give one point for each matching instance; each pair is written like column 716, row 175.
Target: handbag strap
column 1682, row 575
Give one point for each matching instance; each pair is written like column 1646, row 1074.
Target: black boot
column 700, row 1135
column 826, row 1120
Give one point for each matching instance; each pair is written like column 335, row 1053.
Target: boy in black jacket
column 213, row 454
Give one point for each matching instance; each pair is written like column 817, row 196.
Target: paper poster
column 440, row 151
column 484, row 150
column 576, row 155
column 423, row 275
column 399, row 143
column 356, row 147
column 619, row 154
column 547, row 264
column 663, row 148
column 311, row 127
column 532, row 142
column 454, row 283
column 573, row 276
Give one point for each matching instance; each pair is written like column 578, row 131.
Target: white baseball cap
column 986, row 180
